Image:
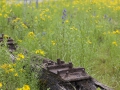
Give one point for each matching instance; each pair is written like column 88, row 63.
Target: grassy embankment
column 86, row 33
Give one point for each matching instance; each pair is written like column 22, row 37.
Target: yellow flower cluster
column 15, row 20
column 115, row 43
column 0, row 14
column 25, row 87
column 43, row 16
column 75, row 2
column 117, row 8
column 23, row 25
column 5, row 66
column 20, row 56
column 113, row 32
column 0, row 84
column 18, row 4
column 116, row 32
column 40, row 52
column 66, row 21
column 36, row 18
column 31, row 34
column 8, row 67
column 16, row 74
column 5, row 36
column 5, row 16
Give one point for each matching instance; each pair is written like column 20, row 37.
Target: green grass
column 86, row 34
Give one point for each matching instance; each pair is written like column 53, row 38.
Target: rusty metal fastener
column 67, row 74
column 70, row 65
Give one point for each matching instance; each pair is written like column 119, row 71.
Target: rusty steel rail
column 62, row 76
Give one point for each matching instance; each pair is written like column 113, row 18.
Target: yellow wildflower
column 66, row 21
column 6, row 36
column 24, row 25
column 4, row 66
column 40, row 52
column 89, row 42
column 15, row 20
column 20, row 56
column 10, row 65
column 16, row 74
column 43, row 19
column 11, row 70
column 5, row 16
column 53, row 42
column 26, row 87
column 47, row 10
column 115, row 43
column 41, row 15
column 31, row 34
column 73, row 28
column 0, row 14
column 116, row 32
column 37, row 51
column 0, row 84
column 49, row 17
column 18, row 5
column 109, row 32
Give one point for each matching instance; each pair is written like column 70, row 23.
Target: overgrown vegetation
column 85, row 32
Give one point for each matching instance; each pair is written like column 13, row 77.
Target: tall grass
column 83, row 32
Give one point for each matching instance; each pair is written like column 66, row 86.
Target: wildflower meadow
column 84, row 32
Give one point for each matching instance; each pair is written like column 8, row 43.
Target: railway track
column 9, row 42
column 63, row 76
column 60, row 75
